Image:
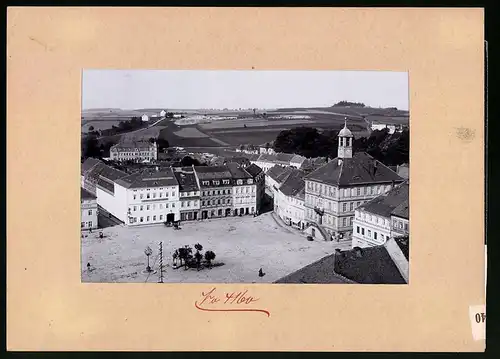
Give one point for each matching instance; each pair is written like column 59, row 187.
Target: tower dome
column 345, row 144
column 345, row 132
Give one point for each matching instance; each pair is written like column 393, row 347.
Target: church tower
column 345, row 144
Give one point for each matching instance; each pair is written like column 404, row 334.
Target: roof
column 253, row 170
column 345, row 132
column 149, row 178
column 86, row 195
column 374, row 266
column 237, row 172
column 298, row 159
column 293, row 184
column 186, row 178
column 319, row 272
column 131, row 145
column 360, row 169
column 386, row 203
column 280, row 158
column 238, row 160
column 403, row 210
column 276, row 172
column 100, row 169
column 212, row 172
column 89, row 163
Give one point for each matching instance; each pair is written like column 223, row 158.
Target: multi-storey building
column 259, row 179
column 189, row 193
column 88, row 206
column 151, row 196
column 134, row 151
column 400, row 220
column 289, row 200
column 336, row 189
column 374, row 220
column 216, row 191
column 172, row 194
column 244, row 190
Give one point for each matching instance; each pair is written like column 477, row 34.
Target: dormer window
column 239, row 182
column 225, row 181
column 250, row 181
column 216, row 183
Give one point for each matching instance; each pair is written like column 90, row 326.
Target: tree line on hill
column 389, row 149
column 348, row 103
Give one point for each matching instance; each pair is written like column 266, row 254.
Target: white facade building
column 88, row 210
column 135, row 151
column 289, row 200
column 375, row 221
column 145, row 118
column 163, row 113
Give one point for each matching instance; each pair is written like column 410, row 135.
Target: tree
column 188, row 256
column 189, row 161
column 91, row 128
column 198, row 247
column 148, row 251
column 209, row 257
column 91, row 147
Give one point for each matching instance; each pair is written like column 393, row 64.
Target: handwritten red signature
column 233, row 302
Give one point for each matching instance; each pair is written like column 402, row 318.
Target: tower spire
column 345, row 143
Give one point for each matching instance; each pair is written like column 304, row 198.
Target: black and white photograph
column 225, row 176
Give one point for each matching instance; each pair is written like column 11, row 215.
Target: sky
column 134, row 89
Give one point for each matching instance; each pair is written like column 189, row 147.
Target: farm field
column 243, row 244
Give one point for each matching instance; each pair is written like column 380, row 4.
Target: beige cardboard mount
column 49, row 309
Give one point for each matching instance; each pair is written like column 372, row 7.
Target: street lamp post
column 148, row 251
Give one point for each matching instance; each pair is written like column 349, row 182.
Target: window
column 225, row 181
column 351, row 206
column 154, row 218
column 90, row 212
column 83, row 224
column 357, row 229
column 147, row 195
column 90, row 224
column 173, row 205
column 400, row 225
column 387, row 237
column 344, row 221
column 369, row 233
column 141, row 195
column 166, row 205
column 147, row 207
column 154, row 194
column 218, row 201
column 142, row 207
column 173, row 193
column 358, row 204
column 375, row 235
column 359, row 191
column 142, row 219
column 202, row 203
column 161, row 194
column 344, row 207
column 161, row 217
column 166, row 194
column 189, row 203
column 154, row 206
column 350, row 221
column 161, row 205
column 218, row 192
column 135, row 196
column 406, row 226
column 147, row 219
column 182, row 204
column 363, row 231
